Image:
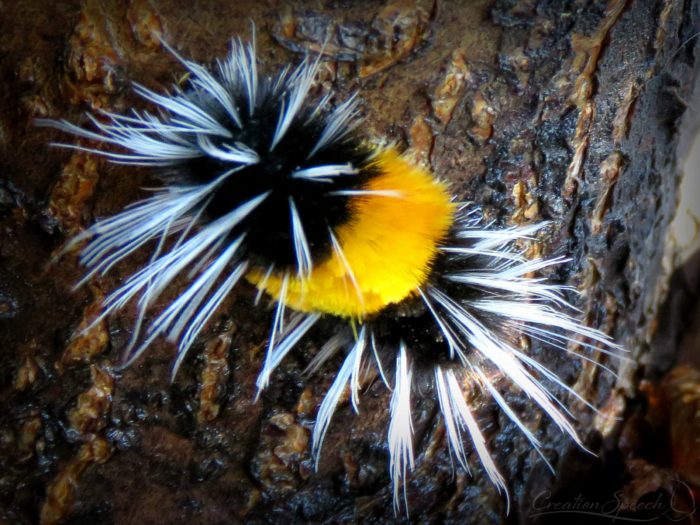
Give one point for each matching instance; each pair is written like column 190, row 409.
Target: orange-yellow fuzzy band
column 386, row 249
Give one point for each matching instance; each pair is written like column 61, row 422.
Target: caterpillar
column 266, row 183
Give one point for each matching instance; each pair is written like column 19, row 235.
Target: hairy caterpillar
column 264, row 183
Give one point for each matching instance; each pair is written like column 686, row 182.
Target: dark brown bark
column 568, row 111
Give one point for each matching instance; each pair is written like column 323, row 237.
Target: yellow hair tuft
column 386, row 249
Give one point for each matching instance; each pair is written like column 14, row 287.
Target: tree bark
column 567, row 111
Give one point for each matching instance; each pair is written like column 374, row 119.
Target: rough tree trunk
column 568, row 111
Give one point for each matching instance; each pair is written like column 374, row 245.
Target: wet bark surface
column 565, row 111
